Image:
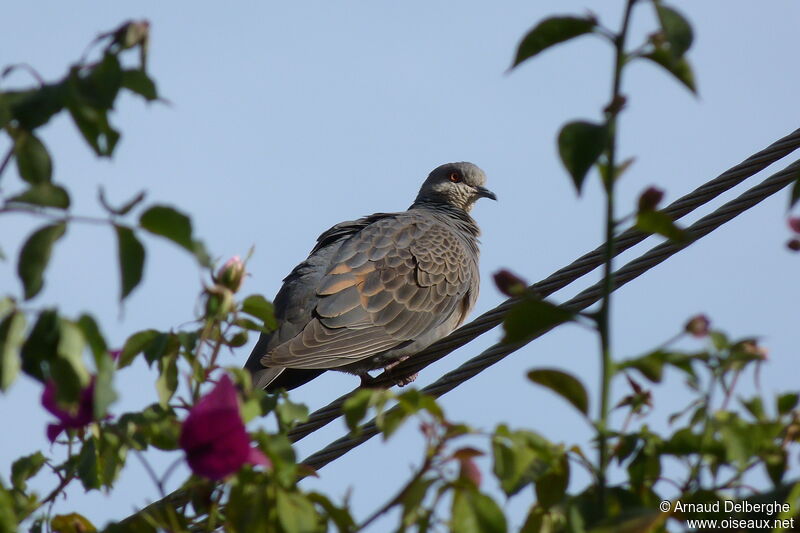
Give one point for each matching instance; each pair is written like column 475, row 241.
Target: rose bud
column 697, row 326
column 794, row 224
column 650, row 199
column 509, row 283
column 231, row 274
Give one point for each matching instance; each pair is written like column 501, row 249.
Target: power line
column 560, row 279
column 551, row 284
column 630, row 271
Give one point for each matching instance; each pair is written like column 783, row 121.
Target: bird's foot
column 404, row 380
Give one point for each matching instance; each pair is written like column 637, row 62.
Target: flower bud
column 794, row 224
column 794, row 245
column 650, row 199
column 697, row 326
column 219, row 301
column 231, row 274
column 509, row 283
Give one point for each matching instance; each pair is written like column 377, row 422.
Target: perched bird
column 376, row 290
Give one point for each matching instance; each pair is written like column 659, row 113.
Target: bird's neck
column 458, row 216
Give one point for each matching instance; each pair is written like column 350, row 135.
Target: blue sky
column 286, row 118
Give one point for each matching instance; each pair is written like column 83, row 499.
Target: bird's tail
column 264, row 376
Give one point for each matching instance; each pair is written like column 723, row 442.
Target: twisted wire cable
column 630, row 271
column 559, row 279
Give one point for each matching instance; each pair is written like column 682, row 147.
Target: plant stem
column 6, row 160
column 604, row 325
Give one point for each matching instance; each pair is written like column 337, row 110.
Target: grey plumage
column 378, row 289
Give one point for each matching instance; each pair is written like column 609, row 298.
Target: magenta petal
column 213, row 435
column 49, row 400
column 256, row 457
column 53, row 431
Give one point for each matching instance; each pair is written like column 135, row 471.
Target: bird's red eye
column 455, row 177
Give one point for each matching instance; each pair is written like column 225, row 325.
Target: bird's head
column 456, row 184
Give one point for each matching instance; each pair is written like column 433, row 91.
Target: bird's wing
column 392, row 281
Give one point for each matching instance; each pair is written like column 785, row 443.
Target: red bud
column 650, row 199
column 509, row 283
column 697, row 326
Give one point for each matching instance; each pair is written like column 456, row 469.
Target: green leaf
column 163, row 344
column 532, row 316
column 45, row 195
column 72, row 523
column 355, row 408
column 8, row 515
column 787, row 402
column 69, row 369
column 676, row 29
column 650, row 365
column 41, row 346
column 5, row 111
column 290, row 413
column 474, row 512
column 563, row 384
column 551, row 487
column 136, row 344
column 93, row 124
column 679, row 68
column 91, row 332
column 261, row 308
column 87, row 465
column 755, row 406
column 35, row 255
column 167, row 381
column 340, row 516
column 296, row 513
column 521, row 457
column 100, row 88
column 658, row 222
column 549, row 32
column 34, row 108
column 33, row 160
column 139, row 82
column 168, row 222
column 645, row 468
column 104, row 393
column 12, row 334
column 131, row 260
column 580, row 144
column 25, row 468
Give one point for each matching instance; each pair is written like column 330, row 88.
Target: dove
column 376, row 290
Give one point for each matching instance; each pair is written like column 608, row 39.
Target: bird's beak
column 483, row 192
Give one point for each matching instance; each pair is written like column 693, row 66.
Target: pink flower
column 213, row 435
column 74, row 418
column 231, row 274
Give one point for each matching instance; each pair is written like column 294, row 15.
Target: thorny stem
column 150, row 472
column 431, row 454
column 60, row 218
column 6, row 160
column 608, row 281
